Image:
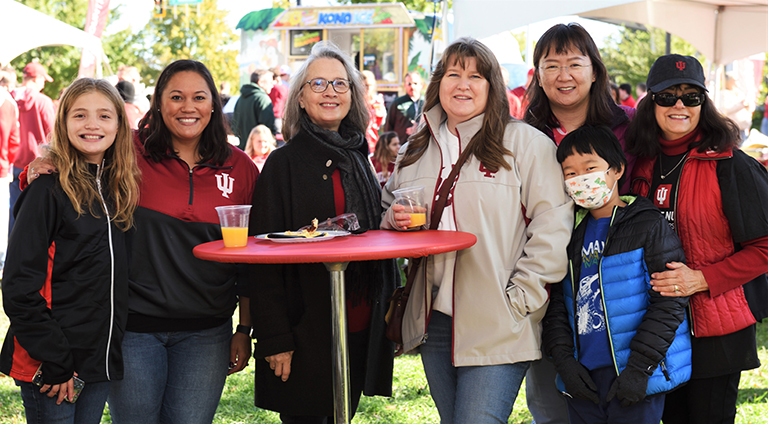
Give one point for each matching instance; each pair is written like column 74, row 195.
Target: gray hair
column 358, row 110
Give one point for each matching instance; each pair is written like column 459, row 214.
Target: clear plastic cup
column 234, row 224
column 414, row 200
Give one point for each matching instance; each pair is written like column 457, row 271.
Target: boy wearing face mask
column 617, row 345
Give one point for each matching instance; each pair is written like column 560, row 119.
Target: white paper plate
column 329, row 235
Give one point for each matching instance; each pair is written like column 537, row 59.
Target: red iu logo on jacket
column 680, row 65
column 487, row 172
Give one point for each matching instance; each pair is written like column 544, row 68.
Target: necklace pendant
column 663, row 176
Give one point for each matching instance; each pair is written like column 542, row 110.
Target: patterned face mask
column 590, row 191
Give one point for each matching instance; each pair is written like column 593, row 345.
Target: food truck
column 384, row 38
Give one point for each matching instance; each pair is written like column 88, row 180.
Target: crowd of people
column 619, row 270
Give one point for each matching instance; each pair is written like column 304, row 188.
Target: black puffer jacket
column 638, row 225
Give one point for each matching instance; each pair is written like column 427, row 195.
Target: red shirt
column 629, row 101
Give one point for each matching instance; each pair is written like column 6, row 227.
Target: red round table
column 336, row 253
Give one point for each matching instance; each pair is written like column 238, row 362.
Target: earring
column 211, row 110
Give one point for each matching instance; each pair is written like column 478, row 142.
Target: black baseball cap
column 674, row 69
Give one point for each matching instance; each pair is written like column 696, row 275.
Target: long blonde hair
column 120, row 160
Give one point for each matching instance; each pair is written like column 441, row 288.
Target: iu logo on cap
column 680, row 65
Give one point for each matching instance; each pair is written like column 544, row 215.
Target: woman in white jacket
column 475, row 314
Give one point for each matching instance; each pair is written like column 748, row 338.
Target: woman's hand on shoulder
column 39, row 166
column 679, row 281
column 281, row 364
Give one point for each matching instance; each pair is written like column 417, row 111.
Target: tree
column 629, row 56
column 63, row 62
column 192, row 32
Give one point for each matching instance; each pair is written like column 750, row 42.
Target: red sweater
column 36, row 118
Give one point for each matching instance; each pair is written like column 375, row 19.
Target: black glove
column 629, row 387
column 577, row 381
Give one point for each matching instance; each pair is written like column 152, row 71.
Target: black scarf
column 362, row 192
column 362, row 196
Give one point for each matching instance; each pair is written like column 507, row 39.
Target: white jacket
column 499, row 295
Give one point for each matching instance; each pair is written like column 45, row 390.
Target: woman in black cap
column 713, row 195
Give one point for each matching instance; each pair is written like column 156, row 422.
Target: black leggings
column 703, row 401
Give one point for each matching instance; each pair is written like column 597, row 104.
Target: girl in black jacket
column 66, row 278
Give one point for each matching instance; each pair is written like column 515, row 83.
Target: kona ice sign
column 393, row 15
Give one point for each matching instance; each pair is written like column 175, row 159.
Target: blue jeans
column 174, row 377
column 40, row 409
column 475, row 394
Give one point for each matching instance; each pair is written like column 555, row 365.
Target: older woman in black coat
column 321, row 172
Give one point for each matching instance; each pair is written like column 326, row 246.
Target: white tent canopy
column 24, row 29
column 722, row 30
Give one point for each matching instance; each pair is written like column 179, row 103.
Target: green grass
column 410, row 401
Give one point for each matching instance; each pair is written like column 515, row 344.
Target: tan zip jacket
column 499, row 295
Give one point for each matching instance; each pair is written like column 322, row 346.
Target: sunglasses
column 669, row 99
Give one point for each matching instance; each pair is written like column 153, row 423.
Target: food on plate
column 309, row 232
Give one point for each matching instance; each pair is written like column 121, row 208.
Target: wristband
column 243, row 329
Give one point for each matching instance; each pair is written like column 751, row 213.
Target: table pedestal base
column 340, row 355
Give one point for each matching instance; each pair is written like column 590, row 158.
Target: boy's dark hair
column 598, row 140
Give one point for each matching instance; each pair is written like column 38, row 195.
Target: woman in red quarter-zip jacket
column 65, row 286
column 713, row 195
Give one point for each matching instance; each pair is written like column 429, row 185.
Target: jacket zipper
column 692, row 324
column 191, row 186
column 575, row 308
column 602, row 292
column 111, row 271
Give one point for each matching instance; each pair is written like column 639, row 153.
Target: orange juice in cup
column 412, row 198
column 234, row 224
column 235, row 236
column 418, row 219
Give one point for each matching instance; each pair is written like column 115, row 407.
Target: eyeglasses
column 319, row 85
column 573, row 68
column 669, row 99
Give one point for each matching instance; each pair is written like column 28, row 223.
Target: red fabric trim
column 24, row 366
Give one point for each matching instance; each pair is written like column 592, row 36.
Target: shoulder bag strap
column 437, row 213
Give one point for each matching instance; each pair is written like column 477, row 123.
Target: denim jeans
column 40, row 409
column 475, row 394
column 174, row 377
